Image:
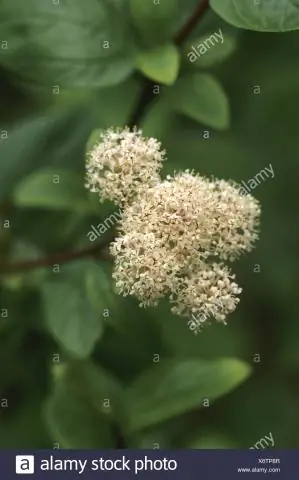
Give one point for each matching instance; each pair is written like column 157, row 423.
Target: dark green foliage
column 80, row 366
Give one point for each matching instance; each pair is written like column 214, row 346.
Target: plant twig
column 147, row 96
column 198, row 13
column 58, row 258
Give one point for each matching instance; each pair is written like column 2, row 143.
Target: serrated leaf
column 263, row 15
column 201, row 97
column 53, row 189
column 70, row 317
column 160, row 64
column 208, row 50
column 174, row 387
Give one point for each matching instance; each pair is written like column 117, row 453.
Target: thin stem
column 58, row 258
column 147, row 96
column 198, row 13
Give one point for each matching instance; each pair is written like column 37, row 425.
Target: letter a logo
column 25, row 464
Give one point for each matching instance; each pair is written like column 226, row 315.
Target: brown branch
column 148, row 95
column 146, row 98
column 198, row 13
column 58, row 258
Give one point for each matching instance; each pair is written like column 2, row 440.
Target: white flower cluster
column 122, row 163
column 174, row 234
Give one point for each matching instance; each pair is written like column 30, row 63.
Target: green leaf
column 72, row 419
column 99, row 288
column 55, row 138
column 216, row 51
column 98, row 387
column 70, row 318
column 173, row 387
column 202, row 98
column 263, row 15
column 158, row 120
column 154, row 19
column 67, row 44
column 161, row 64
column 53, row 189
column 130, row 340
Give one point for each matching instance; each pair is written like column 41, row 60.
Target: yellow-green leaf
column 160, row 64
column 53, row 189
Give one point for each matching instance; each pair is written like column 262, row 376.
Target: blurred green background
column 81, row 367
